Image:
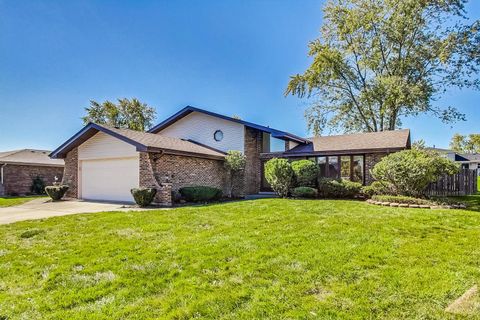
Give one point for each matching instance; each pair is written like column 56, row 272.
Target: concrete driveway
column 44, row 208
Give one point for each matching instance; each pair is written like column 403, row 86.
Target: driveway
column 44, row 208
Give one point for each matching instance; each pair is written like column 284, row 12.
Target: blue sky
column 231, row 57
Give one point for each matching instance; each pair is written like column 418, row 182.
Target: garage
column 107, row 169
column 109, row 179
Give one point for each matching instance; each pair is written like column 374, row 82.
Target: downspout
column 1, row 172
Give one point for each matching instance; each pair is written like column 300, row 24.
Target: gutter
column 1, row 172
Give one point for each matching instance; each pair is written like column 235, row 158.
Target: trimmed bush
column 56, row 192
column 200, row 193
column 280, row 176
column 306, row 173
column 305, row 192
column 377, row 188
column 143, row 196
column 409, row 172
column 38, row 186
column 330, row 188
column 402, row 199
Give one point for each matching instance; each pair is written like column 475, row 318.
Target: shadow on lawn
column 472, row 201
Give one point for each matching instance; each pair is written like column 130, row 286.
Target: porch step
column 261, row 195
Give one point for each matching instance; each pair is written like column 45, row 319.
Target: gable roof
column 358, row 142
column 143, row 141
column 189, row 109
column 29, row 157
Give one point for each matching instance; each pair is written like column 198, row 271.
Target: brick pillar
column 148, row 180
column 253, row 169
column 164, row 194
column 70, row 173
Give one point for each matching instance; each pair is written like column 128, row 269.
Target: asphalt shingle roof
column 167, row 143
column 29, row 156
column 384, row 140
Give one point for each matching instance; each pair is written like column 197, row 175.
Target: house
column 18, row 168
column 466, row 160
column 188, row 148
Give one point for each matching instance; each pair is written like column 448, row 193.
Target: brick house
column 18, row 168
column 188, row 148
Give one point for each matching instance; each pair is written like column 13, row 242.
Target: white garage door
column 109, row 179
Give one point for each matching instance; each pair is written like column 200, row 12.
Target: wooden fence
column 460, row 184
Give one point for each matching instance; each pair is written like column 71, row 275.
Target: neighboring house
column 104, row 163
column 18, row 168
column 467, row 160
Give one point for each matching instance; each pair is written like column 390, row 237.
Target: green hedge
column 330, row 188
column 56, row 192
column 200, row 193
column 143, row 196
column 305, row 192
column 306, row 173
column 377, row 188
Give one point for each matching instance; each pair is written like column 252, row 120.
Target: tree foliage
column 126, row 113
column 466, row 144
column 409, row 172
column 235, row 162
column 279, row 175
column 378, row 61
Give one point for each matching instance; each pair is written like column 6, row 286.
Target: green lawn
column 14, row 201
column 263, row 259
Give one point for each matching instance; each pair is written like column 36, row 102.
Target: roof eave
column 189, row 109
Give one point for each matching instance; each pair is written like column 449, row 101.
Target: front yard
column 15, row 201
column 271, row 258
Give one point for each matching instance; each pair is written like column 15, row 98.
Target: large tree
column 466, row 144
column 129, row 114
column 378, row 61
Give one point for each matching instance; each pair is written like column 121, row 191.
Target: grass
column 15, row 201
column 262, row 259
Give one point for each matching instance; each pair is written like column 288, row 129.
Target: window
column 333, row 168
column 357, row 174
column 345, row 167
column 218, row 135
column 322, row 166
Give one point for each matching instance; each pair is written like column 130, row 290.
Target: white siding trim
column 104, row 146
column 200, row 127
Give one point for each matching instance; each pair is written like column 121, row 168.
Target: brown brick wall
column 371, row 159
column 70, row 174
column 181, row 171
column 18, row 178
column 253, row 148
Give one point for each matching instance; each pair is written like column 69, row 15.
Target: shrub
column 200, row 193
column 330, row 188
column 305, row 192
column 402, row 199
column 279, row 175
column 377, row 188
column 306, row 173
column 235, row 162
column 409, row 172
column 56, row 192
column 38, row 186
column 143, row 196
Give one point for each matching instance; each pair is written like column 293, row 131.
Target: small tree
column 38, row 186
column 409, row 172
column 235, row 162
column 306, row 173
column 279, row 174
